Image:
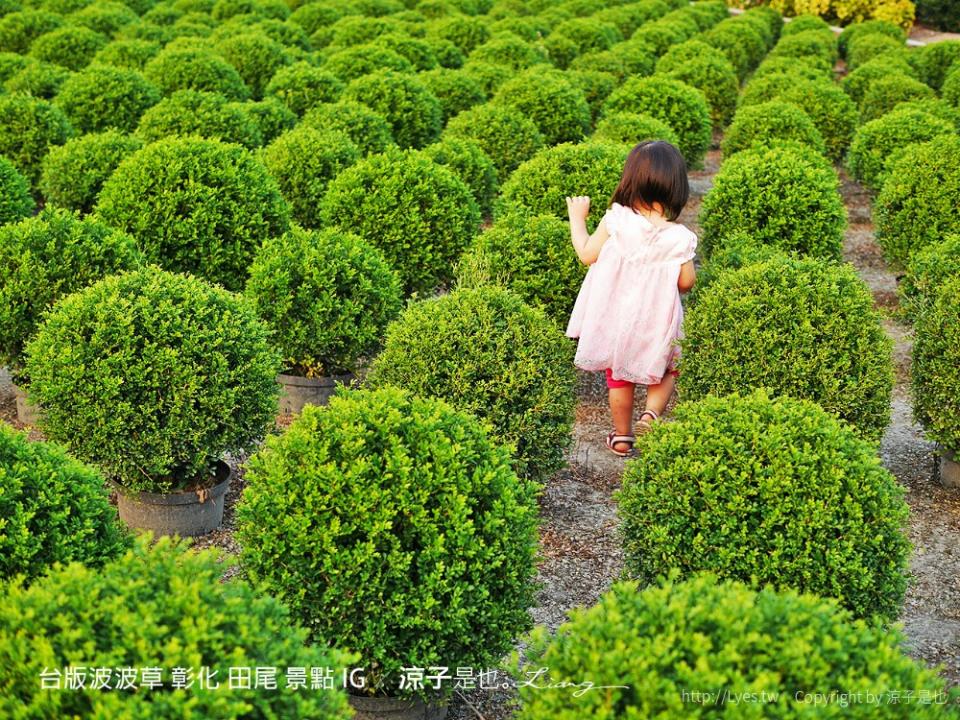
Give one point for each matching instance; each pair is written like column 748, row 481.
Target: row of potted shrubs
column 483, row 350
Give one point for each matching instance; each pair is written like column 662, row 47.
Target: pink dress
column 628, row 314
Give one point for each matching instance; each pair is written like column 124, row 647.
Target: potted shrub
column 540, row 185
column 327, row 297
column 771, row 121
column 15, row 200
column 918, row 205
column 558, row 107
column 368, row 130
column 102, row 98
column 393, row 527
column 200, row 114
column 706, row 68
column 471, row 164
column 681, row 106
column 928, row 270
column 530, row 255
column 630, row 128
column 193, row 68
column 54, row 509
column 935, row 375
column 767, row 491
column 420, row 214
column 414, row 113
column 154, row 377
column 301, row 87
column 505, row 134
column 695, row 648
column 166, row 607
column 486, row 351
column 42, row 259
column 29, row 127
column 783, row 196
column 197, row 206
column 799, row 327
column 304, row 161
column 74, row 173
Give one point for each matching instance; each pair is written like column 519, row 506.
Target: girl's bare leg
column 659, row 395
column 621, row 408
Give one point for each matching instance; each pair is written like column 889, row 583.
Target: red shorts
column 611, row 383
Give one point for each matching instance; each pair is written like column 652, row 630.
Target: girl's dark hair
column 654, row 172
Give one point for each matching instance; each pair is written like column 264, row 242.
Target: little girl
column 628, row 314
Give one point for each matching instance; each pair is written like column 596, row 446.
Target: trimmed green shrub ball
column 153, row 376
column 413, row 112
column 466, row 33
column 809, row 42
column 512, row 52
column 857, row 83
column 704, row 67
column 724, row 489
column 416, row 545
column 456, row 90
column 45, row 258
column 588, row 34
column 662, row 642
column 630, row 129
column 771, row 121
column 127, row 54
column 802, row 23
column 271, row 116
column 140, row 611
column 304, row 161
column 418, row 53
column 420, row 214
column 72, row 46
column 104, row 17
column 885, row 94
column 74, row 173
column 256, row 57
column 541, row 184
column 937, row 108
column 103, row 97
column 918, row 203
column 742, row 43
column 195, row 69
column 15, row 200
column 489, row 75
column 327, row 297
column 55, row 509
column 18, row 30
column 11, row 64
column 935, row 370
column 638, row 58
column 200, row 114
column 879, row 142
column 929, row 269
column 797, row 67
column 682, row 107
column 487, row 352
column 530, row 255
column 596, row 87
column 226, row 9
column 866, row 47
column 781, row 196
column 302, row 86
column 40, row 79
column 738, row 250
column 355, row 62
column 504, row 133
column 471, row 164
column 557, row 107
column 869, row 27
column 800, row 327
column 934, row 60
column 29, row 127
column 368, row 130
column 196, row 206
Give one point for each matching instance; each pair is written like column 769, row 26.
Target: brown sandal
column 614, row 439
column 645, row 426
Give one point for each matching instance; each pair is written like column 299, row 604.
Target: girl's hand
column 578, row 207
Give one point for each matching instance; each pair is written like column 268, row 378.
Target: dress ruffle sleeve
column 691, row 250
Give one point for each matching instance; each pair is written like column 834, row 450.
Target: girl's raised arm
column 587, row 246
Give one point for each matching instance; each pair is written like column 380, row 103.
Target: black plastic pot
column 27, row 412
column 387, row 708
column 187, row 513
column 300, row 391
column 949, row 469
